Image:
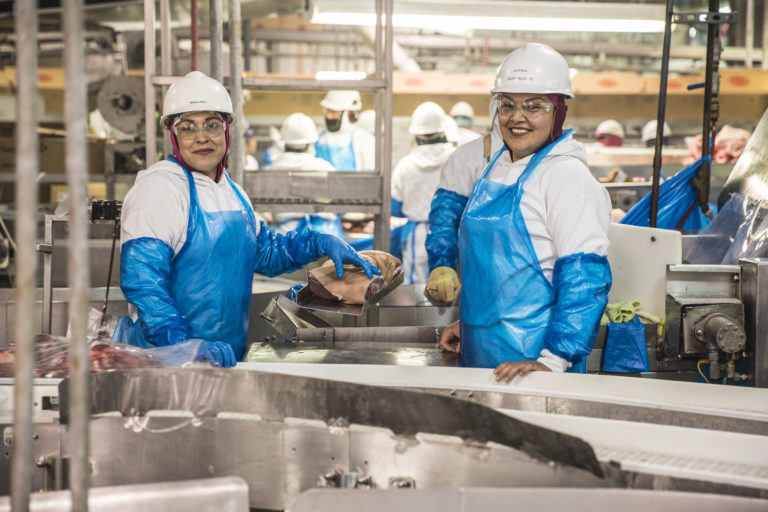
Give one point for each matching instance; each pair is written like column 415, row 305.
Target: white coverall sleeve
column 156, row 207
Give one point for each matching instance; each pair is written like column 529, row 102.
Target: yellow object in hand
column 443, row 284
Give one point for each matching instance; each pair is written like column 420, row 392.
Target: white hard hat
column 367, row 121
column 196, row 92
column 298, row 129
column 610, row 127
column 534, row 68
column 342, row 100
column 649, row 130
column 429, row 117
column 462, row 108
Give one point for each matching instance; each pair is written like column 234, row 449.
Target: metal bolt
column 653, row 239
column 735, row 278
column 40, row 461
column 699, row 332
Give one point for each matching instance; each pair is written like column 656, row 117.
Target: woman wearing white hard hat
column 344, row 145
column 610, row 133
column 190, row 240
column 414, row 182
column 299, row 135
column 534, row 233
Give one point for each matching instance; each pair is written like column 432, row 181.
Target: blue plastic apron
column 506, row 301
column 212, row 275
column 341, row 157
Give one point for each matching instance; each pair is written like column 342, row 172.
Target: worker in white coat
column 414, row 182
column 457, row 177
column 534, row 233
column 343, row 144
column 463, row 113
column 190, row 239
column 299, row 134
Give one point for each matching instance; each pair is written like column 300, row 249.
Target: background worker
column 534, row 233
column 251, row 148
column 190, row 241
column 299, row 134
column 463, row 113
column 610, row 133
column 648, row 133
column 414, row 182
column 342, row 144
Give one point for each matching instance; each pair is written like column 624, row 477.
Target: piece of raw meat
column 354, row 287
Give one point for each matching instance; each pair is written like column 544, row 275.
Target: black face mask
column 333, row 125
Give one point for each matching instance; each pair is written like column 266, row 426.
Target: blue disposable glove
column 217, row 353
column 340, row 252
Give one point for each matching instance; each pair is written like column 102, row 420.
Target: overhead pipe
column 216, row 36
column 237, row 155
column 25, row 28
column 79, row 276
column 150, row 126
column 193, row 33
column 400, row 58
column 166, row 66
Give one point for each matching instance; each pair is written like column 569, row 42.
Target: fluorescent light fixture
column 340, row 75
column 442, row 23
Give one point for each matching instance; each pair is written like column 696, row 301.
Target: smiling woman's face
column 525, row 133
column 202, row 152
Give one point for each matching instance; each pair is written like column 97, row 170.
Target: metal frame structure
column 713, row 18
column 287, row 191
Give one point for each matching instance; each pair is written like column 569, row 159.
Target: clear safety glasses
column 529, row 109
column 188, row 130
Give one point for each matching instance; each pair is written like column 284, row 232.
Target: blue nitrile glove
column 217, row 353
column 443, row 236
column 340, row 252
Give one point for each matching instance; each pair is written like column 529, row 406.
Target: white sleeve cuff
column 553, row 362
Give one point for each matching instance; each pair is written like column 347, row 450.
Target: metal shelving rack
column 338, row 192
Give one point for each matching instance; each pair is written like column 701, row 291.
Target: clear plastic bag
column 52, row 354
column 738, row 231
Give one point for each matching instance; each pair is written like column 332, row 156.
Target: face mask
column 333, row 125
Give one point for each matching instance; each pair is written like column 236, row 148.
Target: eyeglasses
column 530, row 110
column 187, row 130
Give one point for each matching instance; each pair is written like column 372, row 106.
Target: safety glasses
column 188, row 130
column 529, row 109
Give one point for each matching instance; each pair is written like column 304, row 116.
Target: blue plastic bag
column 678, row 204
column 625, row 349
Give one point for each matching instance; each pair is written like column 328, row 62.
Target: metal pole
column 749, row 35
column 193, row 33
column 711, row 106
column 660, row 114
column 25, row 16
column 246, row 28
column 166, row 66
column 79, row 278
column 237, row 158
column 382, row 241
column 150, row 125
column 765, row 37
column 378, row 45
column 216, row 36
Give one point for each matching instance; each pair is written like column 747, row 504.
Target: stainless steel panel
column 206, row 392
column 351, row 352
column 46, row 445
column 754, row 274
column 541, row 499
column 322, row 187
column 228, row 494
column 703, row 281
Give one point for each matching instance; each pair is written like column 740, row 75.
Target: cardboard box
column 52, row 155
